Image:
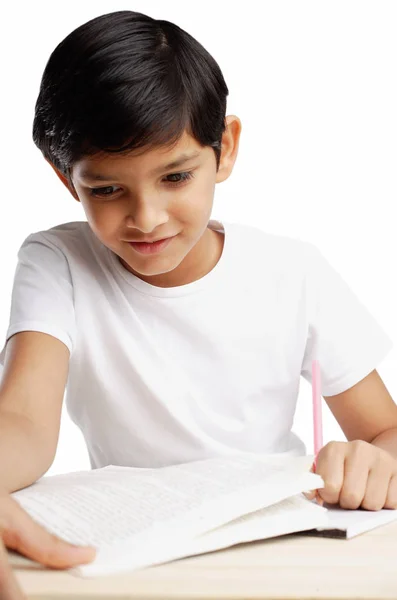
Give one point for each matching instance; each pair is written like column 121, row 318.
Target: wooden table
column 292, row 566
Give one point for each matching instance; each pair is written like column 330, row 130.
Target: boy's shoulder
column 65, row 233
column 71, row 242
column 274, row 248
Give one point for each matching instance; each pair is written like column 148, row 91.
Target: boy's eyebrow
column 183, row 158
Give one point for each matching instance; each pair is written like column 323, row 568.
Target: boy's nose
column 147, row 218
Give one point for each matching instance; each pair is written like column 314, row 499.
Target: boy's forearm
column 387, row 440
column 23, row 459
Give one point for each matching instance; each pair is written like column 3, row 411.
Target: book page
column 127, row 508
column 292, row 515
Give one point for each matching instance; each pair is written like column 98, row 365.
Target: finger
column 391, row 498
column 355, row 479
column 9, row 588
column 331, row 467
column 376, row 490
column 314, row 493
column 23, row 534
column 310, row 495
column 319, row 500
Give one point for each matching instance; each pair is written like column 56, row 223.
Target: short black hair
column 123, row 82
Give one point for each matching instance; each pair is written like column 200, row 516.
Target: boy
column 179, row 338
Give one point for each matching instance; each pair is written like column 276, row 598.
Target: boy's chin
column 151, row 266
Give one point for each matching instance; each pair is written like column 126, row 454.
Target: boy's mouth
column 151, row 247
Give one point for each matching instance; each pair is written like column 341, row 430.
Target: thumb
column 314, row 493
column 26, row 536
column 310, row 495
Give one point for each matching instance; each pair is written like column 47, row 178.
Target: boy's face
column 138, row 198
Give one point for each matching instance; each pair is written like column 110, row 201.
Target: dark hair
column 123, row 82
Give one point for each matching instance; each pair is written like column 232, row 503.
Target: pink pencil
column 317, row 419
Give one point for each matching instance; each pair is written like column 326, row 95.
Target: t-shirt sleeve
column 42, row 295
column 342, row 334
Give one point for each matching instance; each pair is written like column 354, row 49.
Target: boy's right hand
column 18, row 531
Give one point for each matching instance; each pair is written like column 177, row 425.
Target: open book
column 138, row 517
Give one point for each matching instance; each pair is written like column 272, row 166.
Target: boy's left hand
column 356, row 475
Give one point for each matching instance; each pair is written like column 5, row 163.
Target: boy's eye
column 183, row 177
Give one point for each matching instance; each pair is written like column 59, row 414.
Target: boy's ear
column 230, row 142
column 64, row 181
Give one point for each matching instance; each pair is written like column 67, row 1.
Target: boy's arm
column 367, row 412
column 32, row 386
column 24, row 457
column 31, row 395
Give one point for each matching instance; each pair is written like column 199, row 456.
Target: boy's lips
column 150, row 241
column 153, row 247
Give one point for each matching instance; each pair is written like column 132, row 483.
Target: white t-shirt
column 159, row 376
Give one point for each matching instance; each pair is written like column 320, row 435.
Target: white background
column 314, row 84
